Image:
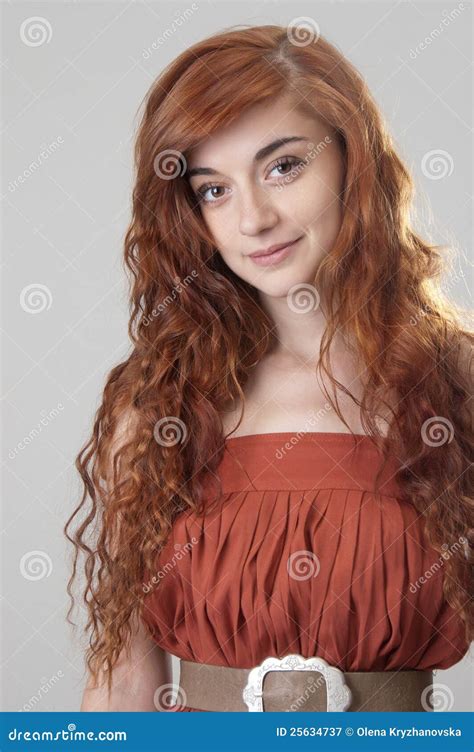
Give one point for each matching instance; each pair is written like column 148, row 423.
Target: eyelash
column 207, row 186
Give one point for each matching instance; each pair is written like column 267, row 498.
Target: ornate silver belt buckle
column 339, row 695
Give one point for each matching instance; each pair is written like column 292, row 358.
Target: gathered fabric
column 301, row 556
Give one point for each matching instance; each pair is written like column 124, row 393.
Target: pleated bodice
column 300, row 556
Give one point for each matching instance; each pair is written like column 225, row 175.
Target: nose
column 257, row 212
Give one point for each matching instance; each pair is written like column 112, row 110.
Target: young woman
column 281, row 470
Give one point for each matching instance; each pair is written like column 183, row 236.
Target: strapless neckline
column 279, row 435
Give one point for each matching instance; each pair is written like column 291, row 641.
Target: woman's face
column 273, row 177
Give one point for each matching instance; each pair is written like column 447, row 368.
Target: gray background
column 69, row 116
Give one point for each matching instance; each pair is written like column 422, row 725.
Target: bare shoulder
column 120, row 433
column 125, row 423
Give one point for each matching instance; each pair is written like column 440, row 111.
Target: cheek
column 315, row 199
column 218, row 227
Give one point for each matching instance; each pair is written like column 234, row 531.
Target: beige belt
column 296, row 684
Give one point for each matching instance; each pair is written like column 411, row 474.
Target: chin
column 279, row 288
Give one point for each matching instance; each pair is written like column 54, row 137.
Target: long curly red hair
column 197, row 329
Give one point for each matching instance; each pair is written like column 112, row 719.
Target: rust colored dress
column 300, row 556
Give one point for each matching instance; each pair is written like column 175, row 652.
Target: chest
column 282, row 398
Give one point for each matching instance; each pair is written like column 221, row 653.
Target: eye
column 290, row 162
column 283, row 163
column 202, row 192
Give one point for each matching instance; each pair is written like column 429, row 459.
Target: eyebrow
column 261, row 154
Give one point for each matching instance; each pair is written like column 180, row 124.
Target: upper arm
column 137, row 676
column 122, row 432
column 144, row 667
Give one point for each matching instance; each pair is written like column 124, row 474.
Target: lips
column 272, row 249
column 271, row 258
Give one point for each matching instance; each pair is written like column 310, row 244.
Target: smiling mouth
column 274, row 249
column 275, row 257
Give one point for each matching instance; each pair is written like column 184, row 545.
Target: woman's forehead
column 253, row 130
